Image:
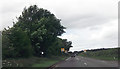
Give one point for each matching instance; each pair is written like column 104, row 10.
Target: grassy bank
column 110, row 54
column 46, row 62
column 33, row 61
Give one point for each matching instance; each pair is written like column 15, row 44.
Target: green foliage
column 21, row 43
column 41, row 26
column 55, row 48
column 36, row 31
column 6, row 49
column 18, row 44
column 66, row 44
column 110, row 54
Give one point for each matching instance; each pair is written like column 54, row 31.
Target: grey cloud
column 83, row 21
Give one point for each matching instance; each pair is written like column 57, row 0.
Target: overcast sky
column 90, row 23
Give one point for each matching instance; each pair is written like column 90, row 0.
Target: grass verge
column 110, row 54
column 47, row 62
column 33, row 61
column 101, row 57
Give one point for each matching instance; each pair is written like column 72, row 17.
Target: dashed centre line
column 67, row 58
column 77, row 58
column 85, row 63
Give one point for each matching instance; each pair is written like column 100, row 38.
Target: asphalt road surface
column 79, row 61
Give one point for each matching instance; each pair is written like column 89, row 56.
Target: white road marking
column 77, row 58
column 56, row 66
column 85, row 63
column 103, row 61
column 67, row 58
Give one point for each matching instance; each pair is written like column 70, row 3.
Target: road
column 79, row 61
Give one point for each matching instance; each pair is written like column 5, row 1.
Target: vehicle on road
column 73, row 55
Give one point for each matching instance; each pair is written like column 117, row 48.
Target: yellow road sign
column 85, row 50
column 62, row 49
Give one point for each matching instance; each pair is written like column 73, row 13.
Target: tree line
column 36, row 30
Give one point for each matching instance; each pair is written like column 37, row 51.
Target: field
column 109, row 54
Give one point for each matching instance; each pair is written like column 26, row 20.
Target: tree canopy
column 36, row 31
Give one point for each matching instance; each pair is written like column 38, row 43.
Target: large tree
column 41, row 26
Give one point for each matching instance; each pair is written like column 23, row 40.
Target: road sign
column 62, row 49
column 84, row 50
column 65, row 51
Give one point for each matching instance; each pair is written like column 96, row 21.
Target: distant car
column 73, row 55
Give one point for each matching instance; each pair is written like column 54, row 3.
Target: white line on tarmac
column 81, row 57
column 56, row 66
column 85, row 63
column 103, row 61
column 67, row 58
column 77, row 58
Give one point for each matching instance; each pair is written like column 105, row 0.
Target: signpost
column 84, row 50
column 62, row 49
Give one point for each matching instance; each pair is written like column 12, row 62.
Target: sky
column 90, row 24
